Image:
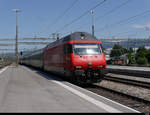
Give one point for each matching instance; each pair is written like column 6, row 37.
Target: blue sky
column 39, row 18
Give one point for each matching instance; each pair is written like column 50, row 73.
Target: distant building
column 122, row 60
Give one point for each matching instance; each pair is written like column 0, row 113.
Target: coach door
column 67, row 56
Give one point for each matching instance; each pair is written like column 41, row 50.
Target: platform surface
column 23, row 89
column 146, row 69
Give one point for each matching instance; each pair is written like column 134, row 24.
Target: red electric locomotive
column 78, row 57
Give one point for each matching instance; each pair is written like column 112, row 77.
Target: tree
column 148, row 56
column 142, row 48
column 141, row 60
column 141, row 52
column 131, row 58
column 130, row 50
column 142, row 55
column 118, row 51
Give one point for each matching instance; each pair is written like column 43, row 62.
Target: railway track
column 137, row 73
column 131, row 80
column 113, row 78
column 123, row 94
column 140, row 104
column 136, row 103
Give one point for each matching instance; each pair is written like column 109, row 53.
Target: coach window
column 67, row 48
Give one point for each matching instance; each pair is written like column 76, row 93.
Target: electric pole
column 92, row 15
column 16, row 49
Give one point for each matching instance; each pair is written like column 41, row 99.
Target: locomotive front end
column 89, row 61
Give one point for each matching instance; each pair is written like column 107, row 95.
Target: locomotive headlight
column 90, row 64
column 101, row 66
column 78, row 67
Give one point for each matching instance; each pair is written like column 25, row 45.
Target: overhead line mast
column 17, row 57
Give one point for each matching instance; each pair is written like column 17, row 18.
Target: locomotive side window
column 67, row 48
column 87, row 49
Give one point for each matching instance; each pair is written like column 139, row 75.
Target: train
column 78, row 57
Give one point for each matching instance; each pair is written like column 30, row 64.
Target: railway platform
column 129, row 70
column 24, row 89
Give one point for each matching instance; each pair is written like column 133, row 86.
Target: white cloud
column 146, row 27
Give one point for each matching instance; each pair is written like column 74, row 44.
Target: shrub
column 148, row 56
column 141, row 60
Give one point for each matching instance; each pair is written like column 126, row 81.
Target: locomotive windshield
column 87, row 49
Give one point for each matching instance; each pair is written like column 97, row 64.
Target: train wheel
column 73, row 78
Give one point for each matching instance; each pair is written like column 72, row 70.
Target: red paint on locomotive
column 78, row 57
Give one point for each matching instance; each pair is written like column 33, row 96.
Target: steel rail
column 128, row 81
column 123, row 94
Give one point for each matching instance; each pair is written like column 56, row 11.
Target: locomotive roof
column 79, row 36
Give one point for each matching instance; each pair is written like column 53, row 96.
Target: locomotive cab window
column 101, row 47
column 87, row 49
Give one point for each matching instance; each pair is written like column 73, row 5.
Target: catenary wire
column 78, row 18
column 100, row 17
column 124, row 20
column 60, row 17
